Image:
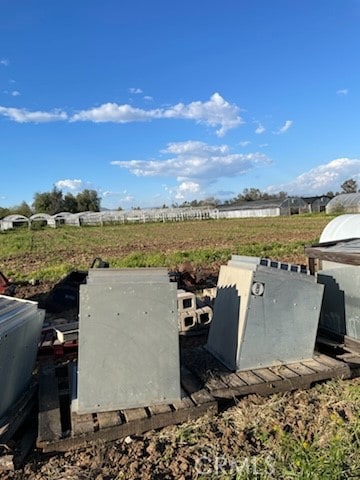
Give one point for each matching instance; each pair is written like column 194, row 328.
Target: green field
column 48, row 254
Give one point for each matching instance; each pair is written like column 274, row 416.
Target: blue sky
column 165, row 101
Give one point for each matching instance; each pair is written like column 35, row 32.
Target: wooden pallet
column 223, row 384
column 19, row 412
column 344, row 349
column 60, row 430
column 10, row 425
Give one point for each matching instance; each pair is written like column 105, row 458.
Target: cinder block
column 187, row 320
column 204, row 316
column 186, row 301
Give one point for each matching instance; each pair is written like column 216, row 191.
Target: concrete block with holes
column 204, row 316
column 187, row 320
column 186, row 301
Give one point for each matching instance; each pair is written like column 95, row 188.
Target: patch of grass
column 47, row 252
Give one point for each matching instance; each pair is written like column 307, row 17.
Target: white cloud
column 195, row 165
column 322, row 179
column 284, row 128
column 342, row 92
column 4, row 61
column 124, row 196
column 135, row 90
column 24, row 116
column 68, row 184
column 245, row 143
column 148, row 98
column 216, row 112
column 15, row 93
column 260, row 129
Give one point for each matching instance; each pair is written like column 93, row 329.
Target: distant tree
column 70, row 203
column 119, row 209
column 282, row 195
column 49, row 202
column 210, row 202
column 4, row 212
column 349, row 186
column 23, row 209
column 88, row 200
column 330, row 194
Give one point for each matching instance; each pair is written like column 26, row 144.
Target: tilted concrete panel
column 128, row 345
column 263, row 316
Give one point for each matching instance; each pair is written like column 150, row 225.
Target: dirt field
column 313, row 434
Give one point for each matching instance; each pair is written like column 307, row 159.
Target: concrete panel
column 263, row 316
column 128, row 345
column 233, row 291
column 282, row 319
column 111, row 275
column 341, row 306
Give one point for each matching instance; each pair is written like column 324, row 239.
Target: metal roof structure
column 10, row 221
column 344, row 203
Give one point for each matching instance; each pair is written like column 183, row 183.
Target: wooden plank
column 284, row 372
column 234, row 381
column 157, row 409
column 49, row 407
column 300, row 369
column 135, row 414
column 328, row 361
column 266, row 374
column 194, row 388
column 108, row 419
column 315, row 365
column 352, row 344
column 135, row 427
column 249, row 377
column 184, row 402
column 83, row 423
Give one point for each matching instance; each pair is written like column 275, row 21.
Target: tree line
column 88, row 200
column 55, row 202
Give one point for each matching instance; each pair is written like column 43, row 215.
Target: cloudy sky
column 160, row 102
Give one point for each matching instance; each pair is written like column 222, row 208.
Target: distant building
column 317, row 204
column 344, row 203
column 264, row 208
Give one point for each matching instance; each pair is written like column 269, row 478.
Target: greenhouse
column 13, row 221
column 344, row 203
column 265, row 208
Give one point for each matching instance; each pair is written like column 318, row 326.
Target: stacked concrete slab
column 264, row 314
column 128, row 340
column 20, row 328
